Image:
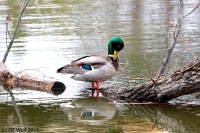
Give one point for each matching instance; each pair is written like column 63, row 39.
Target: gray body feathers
column 98, row 68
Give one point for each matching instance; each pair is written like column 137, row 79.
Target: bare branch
column 196, row 32
column 193, row 10
column 25, row 3
column 176, row 34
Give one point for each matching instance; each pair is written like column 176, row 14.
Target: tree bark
column 16, row 79
column 163, row 89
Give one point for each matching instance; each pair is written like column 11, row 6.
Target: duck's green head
column 114, row 46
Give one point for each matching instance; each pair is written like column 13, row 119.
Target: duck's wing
column 83, row 65
column 90, row 60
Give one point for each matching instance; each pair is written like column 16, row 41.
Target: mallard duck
column 96, row 68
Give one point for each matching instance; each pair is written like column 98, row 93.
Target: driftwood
column 17, row 79
column 163, row 89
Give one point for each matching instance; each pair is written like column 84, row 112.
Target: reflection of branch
column 196, row 32
column 17, row 109
column 8, row 20
column 193, row 10
column 25, row 3
column 176, row 34
column 190, row 39
column 170, row 118
column 147, row 64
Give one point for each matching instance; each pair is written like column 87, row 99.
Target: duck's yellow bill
column 115, row 55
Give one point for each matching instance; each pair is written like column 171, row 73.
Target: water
column 53, row 33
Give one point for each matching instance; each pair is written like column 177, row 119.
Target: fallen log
column 18, row 79
column 182, row 82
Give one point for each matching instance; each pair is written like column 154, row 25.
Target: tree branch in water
column 25, row 3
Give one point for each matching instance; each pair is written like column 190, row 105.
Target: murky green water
column 53, row 33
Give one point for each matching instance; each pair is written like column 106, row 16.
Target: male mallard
column 96, row 68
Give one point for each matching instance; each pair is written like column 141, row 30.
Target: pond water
column 53, row 33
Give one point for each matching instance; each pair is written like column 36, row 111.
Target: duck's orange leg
column 93, row 90
column 96, row 87
column 93, row 85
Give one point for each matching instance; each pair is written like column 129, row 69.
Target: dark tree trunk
column 163, row 89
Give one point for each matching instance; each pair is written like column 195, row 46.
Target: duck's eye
column 117, row 46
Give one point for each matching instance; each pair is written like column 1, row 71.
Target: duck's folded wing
column 83, row 65
column 91, row 60
column 72, row 69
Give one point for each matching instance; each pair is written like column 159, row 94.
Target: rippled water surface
column 53, row 33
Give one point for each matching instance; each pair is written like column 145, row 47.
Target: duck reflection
column 90, row 111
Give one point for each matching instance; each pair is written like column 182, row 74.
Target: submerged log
column 181, row 82
column 18, row 79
